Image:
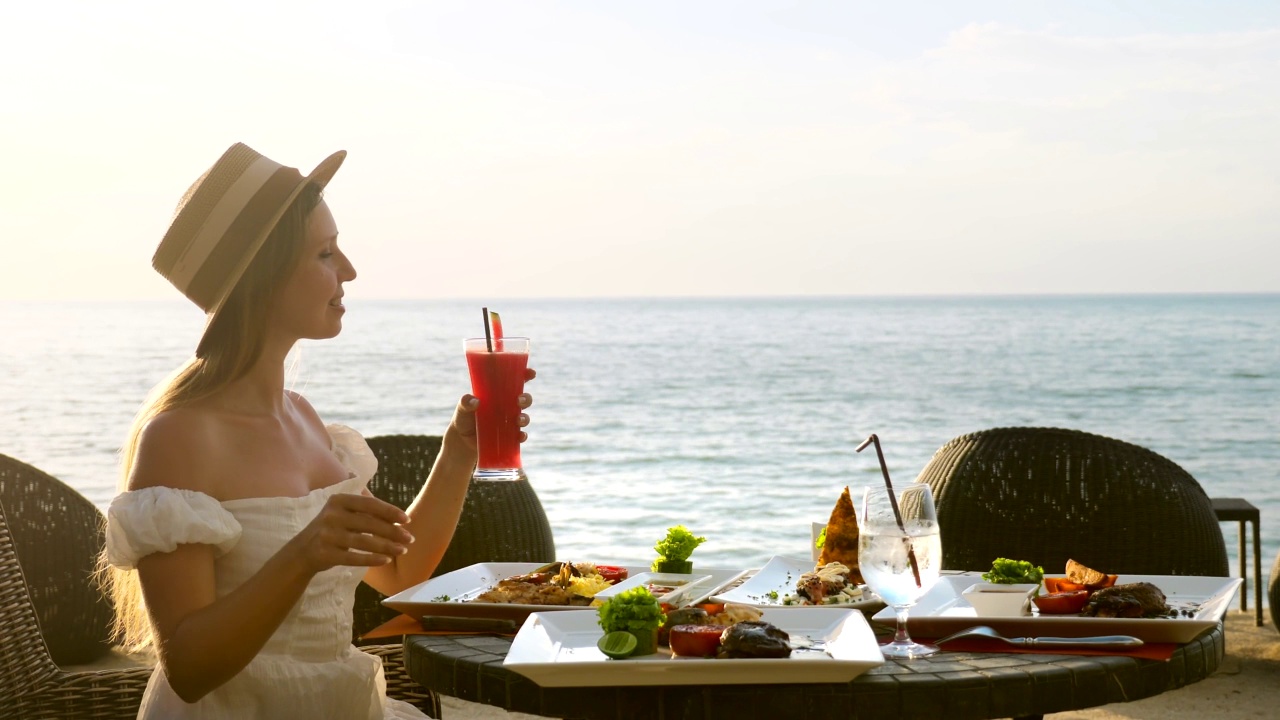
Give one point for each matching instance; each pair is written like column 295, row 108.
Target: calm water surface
column 735, row 417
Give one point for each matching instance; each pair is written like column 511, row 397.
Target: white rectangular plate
column 701, row 583
column 559, row 650
column 943, row 610
column 448, row 594
column 779, row 576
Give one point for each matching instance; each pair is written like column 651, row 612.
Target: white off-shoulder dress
column 309, row 668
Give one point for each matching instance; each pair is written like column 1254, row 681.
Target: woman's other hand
column 355, row 530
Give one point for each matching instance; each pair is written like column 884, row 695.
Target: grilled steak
column 1133, row 600
column 754, row 639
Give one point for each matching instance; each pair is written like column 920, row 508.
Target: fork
column 1095, row 641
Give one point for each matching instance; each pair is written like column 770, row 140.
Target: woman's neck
column 260, row 391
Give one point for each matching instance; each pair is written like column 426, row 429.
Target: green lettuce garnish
column 635, row 611
column 1011, row 572
column 679, row 544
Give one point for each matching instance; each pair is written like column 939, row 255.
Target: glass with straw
column 899, row 551
column 497, row 366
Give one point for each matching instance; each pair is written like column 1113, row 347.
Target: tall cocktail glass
column 900, row 554
column 497, row 380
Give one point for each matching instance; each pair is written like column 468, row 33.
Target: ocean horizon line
column 711, row 298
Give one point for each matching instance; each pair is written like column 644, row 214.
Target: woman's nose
column 346, row 270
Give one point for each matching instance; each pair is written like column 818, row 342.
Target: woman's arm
column 433, row 515
column 202, row 640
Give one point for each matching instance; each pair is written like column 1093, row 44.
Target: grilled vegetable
column 1061, row 603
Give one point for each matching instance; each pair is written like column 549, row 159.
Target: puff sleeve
column 158, row 519
column 353, row 452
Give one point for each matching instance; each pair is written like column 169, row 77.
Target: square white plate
column 449, row 594
column 815, row 530
column 943, row 610
column 559, row 650
column 779, row 577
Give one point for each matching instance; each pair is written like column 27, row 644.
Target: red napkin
column 1149, row 651
column 395, row 627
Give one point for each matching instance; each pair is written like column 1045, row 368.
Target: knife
column 1096, row 641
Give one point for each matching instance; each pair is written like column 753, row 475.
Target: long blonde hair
column 231, row 345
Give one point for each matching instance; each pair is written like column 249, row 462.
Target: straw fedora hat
column 224, row 219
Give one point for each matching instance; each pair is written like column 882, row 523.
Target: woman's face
column 309, row 302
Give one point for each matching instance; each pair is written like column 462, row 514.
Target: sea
column 735, row 417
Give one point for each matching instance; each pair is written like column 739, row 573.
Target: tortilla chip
column 841, row 544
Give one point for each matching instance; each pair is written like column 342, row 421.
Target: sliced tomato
column 1061, row 603
column 1111, row 580
column 613, row 573
column 712, row 608
column 1061, row 584
column 695, row 640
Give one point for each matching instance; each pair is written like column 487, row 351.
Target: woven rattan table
column 955, row 686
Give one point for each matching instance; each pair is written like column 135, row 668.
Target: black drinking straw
column 893, row 501
column 488, row 335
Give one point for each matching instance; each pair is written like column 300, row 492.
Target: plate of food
column 1168, row 608
column 797, row 582
column 823, row 646
column 831, row 578
column 509, row 590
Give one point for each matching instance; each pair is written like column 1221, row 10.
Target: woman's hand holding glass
column 464, row 415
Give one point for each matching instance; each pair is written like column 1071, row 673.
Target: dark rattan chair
column 32, row 685
column 1048, row 494
column 57, row 535
column 500, row 522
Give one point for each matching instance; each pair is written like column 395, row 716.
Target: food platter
column 450, row 594
column 1204, row 600
column 777, row 579
column 559, row 650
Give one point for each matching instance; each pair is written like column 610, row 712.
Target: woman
column 245, row 526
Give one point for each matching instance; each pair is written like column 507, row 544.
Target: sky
column 592, row 149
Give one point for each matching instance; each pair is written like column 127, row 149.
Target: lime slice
column 617, row 644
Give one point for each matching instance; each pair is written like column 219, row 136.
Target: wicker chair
column 57, row 534
column 32, row 685
column 500, row 521
column 1048, row 494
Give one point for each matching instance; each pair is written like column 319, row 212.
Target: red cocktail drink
column 497, row 380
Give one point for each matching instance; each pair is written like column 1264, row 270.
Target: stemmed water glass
column 900, row 554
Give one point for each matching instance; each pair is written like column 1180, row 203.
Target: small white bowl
column 996, row 600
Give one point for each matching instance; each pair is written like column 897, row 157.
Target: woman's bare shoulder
column 305, row 411
column 174, row 450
